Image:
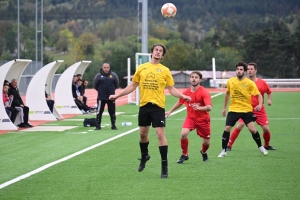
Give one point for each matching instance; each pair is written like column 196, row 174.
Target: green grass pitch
column 109, row 171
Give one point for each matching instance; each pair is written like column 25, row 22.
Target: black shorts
column 152, row 114
column 233, row 117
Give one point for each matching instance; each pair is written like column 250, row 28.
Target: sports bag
column 89, row 122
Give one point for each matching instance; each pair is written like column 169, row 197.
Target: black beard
column 240, row 76
column 194, row 85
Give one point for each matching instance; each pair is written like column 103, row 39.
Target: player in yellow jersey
column 239, row 90
column 153, row 77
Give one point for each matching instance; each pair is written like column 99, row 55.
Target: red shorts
column 261, row 117
column 202, row 127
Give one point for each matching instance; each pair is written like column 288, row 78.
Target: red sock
column 184, row 146
column 267, row 138
column 204, row 148
column 233, row 137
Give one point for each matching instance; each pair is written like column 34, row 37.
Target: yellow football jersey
column 152, row 79
column 240, row 93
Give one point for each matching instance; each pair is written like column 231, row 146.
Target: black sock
column 225, row 139
column 257, row 139
column 144, row 149
column 164, row 155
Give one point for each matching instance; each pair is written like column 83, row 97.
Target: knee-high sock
column 267, row 138
column 225, row 139
column 144, row 149
column 257, row 139
column 164, row 155
column 184, row 146
column 204, row 148
column 233, row 136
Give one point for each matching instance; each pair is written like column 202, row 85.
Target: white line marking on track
column 3, row 185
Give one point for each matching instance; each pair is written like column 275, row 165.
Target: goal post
column 140, row 58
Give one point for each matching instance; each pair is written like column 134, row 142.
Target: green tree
column 226, row 58
column 87, row 42
column 11, row 41
column 177, row 55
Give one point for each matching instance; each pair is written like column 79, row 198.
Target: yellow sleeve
column 169, row 78
column 228, row 86
column 255, row 90
column 136, row 76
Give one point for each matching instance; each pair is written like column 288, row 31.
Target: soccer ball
column 168, row 10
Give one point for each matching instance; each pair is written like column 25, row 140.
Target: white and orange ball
column 168, row 10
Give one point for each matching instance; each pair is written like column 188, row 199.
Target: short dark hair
column 241, row 63
column 78, row 75
column 6, row 82
column 198, row 73
column 155, row 45
column 254, row 64
column 79, row 80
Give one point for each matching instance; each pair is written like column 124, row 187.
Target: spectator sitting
column 78, row 97
column 83, row 86
column 82, row 90
column 49, row 101
column 79, row 76
column 74, row 80
column 18, row 104
column 11, row 112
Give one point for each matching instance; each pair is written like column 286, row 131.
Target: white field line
column 3, row 185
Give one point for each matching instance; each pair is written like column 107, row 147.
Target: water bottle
column 126, row 123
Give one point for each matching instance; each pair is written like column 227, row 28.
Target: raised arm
column 174, row 92
column 130, row 88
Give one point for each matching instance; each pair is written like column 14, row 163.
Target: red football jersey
column 202, row 97
column 263, row 88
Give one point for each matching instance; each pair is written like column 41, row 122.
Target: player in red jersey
column 261, row 116
column 197, row 116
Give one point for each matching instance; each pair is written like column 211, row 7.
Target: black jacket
column 106, row 84
column 74, row 91
column 17, row 101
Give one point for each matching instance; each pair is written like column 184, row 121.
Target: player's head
column 105, row 67
column 195, row 78
column 85, row 82
column 252, row 69
column 14, row 83
column 158, row 51
column 240, row 69
column 79, row 82
column 75, row 78
column 5, row 88
column 79, row 76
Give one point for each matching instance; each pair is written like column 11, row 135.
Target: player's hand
column 186, row 98
column 258, row 107
column 269, row 102
column 195, row 106
column 224, row 112
column 113, row 97
column 167, row 114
